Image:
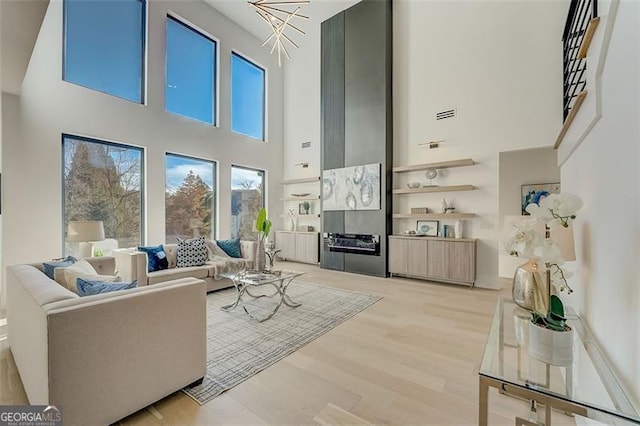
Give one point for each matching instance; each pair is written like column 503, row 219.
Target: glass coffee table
column 585, row 387
column 248, row 282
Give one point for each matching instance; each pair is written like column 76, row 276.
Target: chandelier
column 279, row 15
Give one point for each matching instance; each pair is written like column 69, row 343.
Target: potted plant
column 550, row 338
column 263, row 226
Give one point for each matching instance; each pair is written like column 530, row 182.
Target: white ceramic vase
column 457, row 229
column 292, row 224
column 550, row 346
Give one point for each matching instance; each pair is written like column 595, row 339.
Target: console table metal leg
column 483, row 403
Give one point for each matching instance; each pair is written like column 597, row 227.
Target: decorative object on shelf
column 263, row 226
column 535, row 192
column 303, row 208
column 279, row 20
column 444, row 205
column 555, row 212
column 431, row 144
column 430, row 174
column 292, row 220
column 419, row 210
column 413, row 185
column 351, row 188
column 303, row 165
column 301, row 194
column 458, row 229
column 427, row 227
column 309, row 228
column 410, row 232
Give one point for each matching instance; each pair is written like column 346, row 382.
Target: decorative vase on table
column 261, row 258
column 529, row 287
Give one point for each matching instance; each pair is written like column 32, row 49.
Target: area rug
column 239, row 347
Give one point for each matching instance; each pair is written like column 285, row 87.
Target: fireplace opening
column 366, row 244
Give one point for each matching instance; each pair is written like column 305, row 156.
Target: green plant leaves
column 263, row 225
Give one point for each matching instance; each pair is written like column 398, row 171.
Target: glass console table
column 586, row 387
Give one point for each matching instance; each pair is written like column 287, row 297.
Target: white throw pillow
column 71, row 275
column 80, row 265
column 215, row 250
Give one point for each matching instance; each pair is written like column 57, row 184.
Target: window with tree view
column 247, row 198
column 103, row 181
column 189, row 197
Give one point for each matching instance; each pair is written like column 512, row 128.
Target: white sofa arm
column 133, row 349
column 132, row 265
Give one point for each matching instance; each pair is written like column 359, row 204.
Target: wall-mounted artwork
column 351, row 188
column 533, row 193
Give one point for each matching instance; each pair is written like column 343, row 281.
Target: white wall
column 492, row 61
column 605, row 172
column 517, row 168
column 49, row 107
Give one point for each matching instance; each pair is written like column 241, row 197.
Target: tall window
column 247, row 97
column 104, row 46
column 103, row 181
column 189, row 197
column 247, row 198
column 191, row 72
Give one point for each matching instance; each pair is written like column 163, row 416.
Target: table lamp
column 85, row 232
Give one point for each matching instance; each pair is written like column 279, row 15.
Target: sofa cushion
column 231, row 247
column 80, row 266
column 89, row 288
column 191, row 252
column 215, row 250
column 49, row 267
column 157, row 258
column 177, row 273
column 71, row 276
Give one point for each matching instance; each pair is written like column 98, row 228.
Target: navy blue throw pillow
column 231, row 247
column 89, row 288
column 157, row 258
column 48, row 267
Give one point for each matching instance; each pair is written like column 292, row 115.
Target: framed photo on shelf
column 428, row 227
column 533, row 193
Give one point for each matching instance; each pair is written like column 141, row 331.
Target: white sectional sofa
column 106, row 356
column 133, row 265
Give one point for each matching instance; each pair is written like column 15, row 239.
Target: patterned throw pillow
column 48, row 267
column 191, row 252
column 157, row 258
column 89, row 288
column 231, row 247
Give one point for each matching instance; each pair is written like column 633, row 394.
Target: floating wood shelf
column 309, row 198
column 302, row 180
column 588, row 36
column 572, row 114
column 439, row 165
column 435, row 189
column 434, row 216
column 300, row 215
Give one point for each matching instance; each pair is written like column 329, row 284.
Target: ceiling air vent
column 450, row 113
column 306, row 144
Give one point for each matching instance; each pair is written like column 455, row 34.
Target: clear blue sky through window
column 191, row 65
column 247, row 97
column 104, row 46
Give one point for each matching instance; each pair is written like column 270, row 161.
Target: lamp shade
column 80, row 231
column 564, row 239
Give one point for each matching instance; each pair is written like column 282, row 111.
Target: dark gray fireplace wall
column 357, row 126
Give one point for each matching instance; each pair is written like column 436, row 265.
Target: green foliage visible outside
column 188, row 209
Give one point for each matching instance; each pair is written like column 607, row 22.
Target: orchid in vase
column 533, row 238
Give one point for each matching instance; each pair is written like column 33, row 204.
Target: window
column 247, row 198
column 103, row 181
column 191, row 72
column 189, row 197
column 104, row 46
column 247, row 97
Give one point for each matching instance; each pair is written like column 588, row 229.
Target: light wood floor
column 412, row 358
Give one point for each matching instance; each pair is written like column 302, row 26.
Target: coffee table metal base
column 279, row 284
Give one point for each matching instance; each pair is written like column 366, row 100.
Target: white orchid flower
column 522, row 238
column 548, row 252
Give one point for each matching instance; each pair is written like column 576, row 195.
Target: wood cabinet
column 438, row 259
column 298, row 246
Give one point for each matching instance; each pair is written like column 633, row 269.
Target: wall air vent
column 306, row 144
column 450, row 113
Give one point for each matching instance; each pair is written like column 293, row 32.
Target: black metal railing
column 581, row 12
